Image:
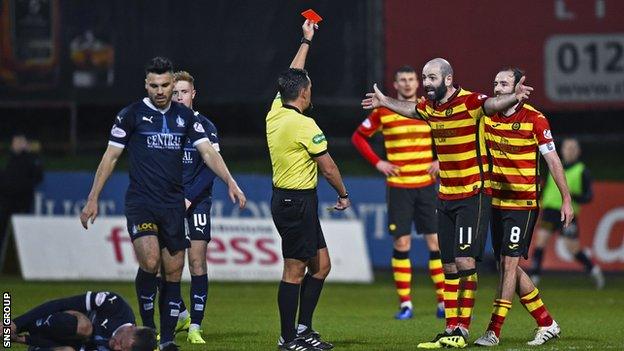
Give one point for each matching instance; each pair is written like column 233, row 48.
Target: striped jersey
column 514, row 142
column 408, row 145
column 457, row 129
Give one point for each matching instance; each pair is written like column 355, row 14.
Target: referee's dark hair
column 517, row 73
column 404, row 69
column 290, row 83
column 159, row 65
column 144, row 339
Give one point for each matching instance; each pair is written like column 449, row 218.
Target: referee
column 297, row 146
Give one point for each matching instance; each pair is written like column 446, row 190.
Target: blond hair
column 183, row 76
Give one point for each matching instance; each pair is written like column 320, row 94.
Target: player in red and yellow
column 456, row 119
column 411, row 190
column 514, row 138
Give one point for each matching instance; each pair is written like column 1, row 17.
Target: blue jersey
column 155, row 139
column 198, row 178
column 107, row 311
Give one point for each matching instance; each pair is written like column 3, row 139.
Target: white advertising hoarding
column 241, row 249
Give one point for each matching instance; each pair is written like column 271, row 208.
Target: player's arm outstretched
column 104, row 170
column 378, row 99
column 505, row 101
column 214, row 161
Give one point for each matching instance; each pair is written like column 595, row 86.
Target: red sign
column 601, row 226
column 571, row 51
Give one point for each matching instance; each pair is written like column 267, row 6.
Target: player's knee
column 432, row 242
column 197, row 266
column 402, row 243
column 464, row 263
column 294, row 271
column 150, row 264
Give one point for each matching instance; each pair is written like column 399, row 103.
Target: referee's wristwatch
column 345, row 196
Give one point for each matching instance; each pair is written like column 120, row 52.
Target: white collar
column 149, row 104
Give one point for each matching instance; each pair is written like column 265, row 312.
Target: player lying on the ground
column 92, row 321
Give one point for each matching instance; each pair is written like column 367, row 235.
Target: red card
column 312, row 16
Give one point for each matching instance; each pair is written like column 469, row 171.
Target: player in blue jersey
column 198, row 180
column 155, row 131
column 93, row 321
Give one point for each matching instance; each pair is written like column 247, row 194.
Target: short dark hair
column 517, row 73
column 144, row 339
column 290, row 83
column 404, row 69
column 159, row 65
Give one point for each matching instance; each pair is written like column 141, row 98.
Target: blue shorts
column 165, row 223
column 198, row 219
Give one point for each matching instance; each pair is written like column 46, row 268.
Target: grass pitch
column 243, row 316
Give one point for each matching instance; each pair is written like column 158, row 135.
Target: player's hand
column 387, row 168
column 434, row 168
column 374, row 99
column 90, row 211
column 342, row 204
column 236, row 194
column 522, row 91
column 567, row 212
column 308, row 29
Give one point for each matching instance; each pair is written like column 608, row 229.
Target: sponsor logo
column 198, row 127
column 148, row 306
column 104, row 323
column 180, row 121
column 119, row 118
column 392, row 226
column 515, row 126
column 496, row 125
column 148, row 298
column 164, row 141
column 199, row 307
column 448, row 112
column 550, row 146
column 148, row 119
column 513, row 246
column 464, row 247
column 100, row 297
column 319, row 138
column 202, row 298
column 118, row 132
column 367, row 123
column 200, row 229
column 188, row 157
column 144, row 227
column 547, row 134
column 113, row 298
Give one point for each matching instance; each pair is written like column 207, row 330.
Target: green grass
column 243, row 316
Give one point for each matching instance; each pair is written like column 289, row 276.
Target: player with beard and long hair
column 455, row 116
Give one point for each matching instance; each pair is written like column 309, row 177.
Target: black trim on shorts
column 319, row 154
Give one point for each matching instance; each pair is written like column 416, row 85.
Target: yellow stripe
column 512, row 141
column 500, row 311
column 514, row 186
column 455, row 140
column 450, row 190
column 460, row 173
column 450, row 312
column 530, row 295
column 407, row 142
column 529, row 156
column 457, row 157
column 453, row 124
column 534, row 305
column 468, row 294
column 513, row 203
column 401, row 263
column 507, row 125
column 525, row 172
column 456, row 109
column 412, row 167
column 435, row 263
column 402, row 156
column 410, row 180
column 395, row 117
column 403, row 292
column 402, row 277
column 417, row 128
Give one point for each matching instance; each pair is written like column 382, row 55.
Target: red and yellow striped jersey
column 514, row 142
column 408, row 145
column 457, row 129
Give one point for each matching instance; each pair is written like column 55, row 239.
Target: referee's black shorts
column 295, row 214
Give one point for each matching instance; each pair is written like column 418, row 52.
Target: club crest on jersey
column 180, row 121
column 118, row 132
column 547, row 134
column 515, row 126
column 366, row 123
column 449, row 111
column 198, row 127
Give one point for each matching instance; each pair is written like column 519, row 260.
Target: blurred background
column 67, row 67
